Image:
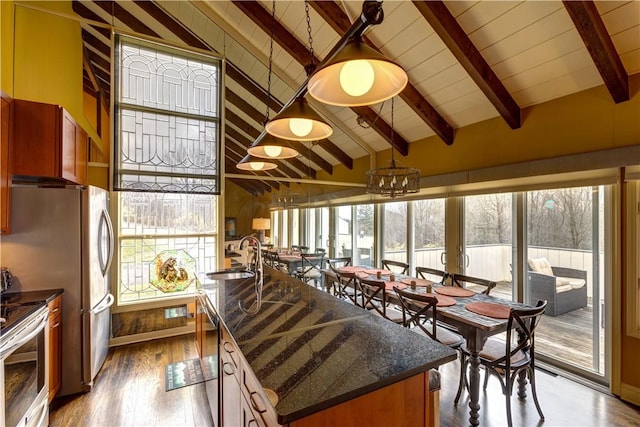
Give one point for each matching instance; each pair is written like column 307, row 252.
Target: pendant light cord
column 310, row 68
column 273, row 25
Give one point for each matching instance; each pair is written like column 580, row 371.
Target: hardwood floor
column 129, row 391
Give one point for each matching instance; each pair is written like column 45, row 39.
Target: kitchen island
column 322, row 361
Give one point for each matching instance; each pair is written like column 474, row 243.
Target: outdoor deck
column 568, row 337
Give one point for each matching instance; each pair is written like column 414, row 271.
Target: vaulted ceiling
column 467, row 61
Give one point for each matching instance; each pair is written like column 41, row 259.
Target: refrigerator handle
column 108, row 302
column 104, row 219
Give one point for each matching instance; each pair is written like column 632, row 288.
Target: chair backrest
column 428, row 273
column 523, row 322
column 417, row 309
column 335, row 263
column 483, row 286
column 374, row 295
column 304, row 249
column 321, row 250
column 312, row 263
column 272, row 258
column 395, row 266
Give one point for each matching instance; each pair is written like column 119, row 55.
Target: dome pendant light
column 299, row 122
column 358, row 75
column 255, row 164
column 270, row 147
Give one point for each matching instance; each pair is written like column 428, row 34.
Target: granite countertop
column 30, row 297
column 22, row 305
column 314, row 350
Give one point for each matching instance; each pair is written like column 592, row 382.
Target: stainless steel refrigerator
column 63, row 238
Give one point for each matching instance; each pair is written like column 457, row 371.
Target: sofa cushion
column 541, row 265
column 570, row 281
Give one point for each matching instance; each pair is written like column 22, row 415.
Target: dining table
column 489, row 317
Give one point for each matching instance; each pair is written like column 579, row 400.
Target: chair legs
column 462, row 384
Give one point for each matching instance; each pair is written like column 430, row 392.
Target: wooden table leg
column 475, row 342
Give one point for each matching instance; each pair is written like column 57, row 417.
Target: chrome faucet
column 258, row 275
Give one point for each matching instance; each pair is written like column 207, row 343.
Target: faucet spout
column 258, row 278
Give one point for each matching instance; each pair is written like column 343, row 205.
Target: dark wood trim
column 454, row 37
column 86, row 13
column 334, row 15
column 96, row 43
column 121, row 14
column 287, row 41
column 595, row 36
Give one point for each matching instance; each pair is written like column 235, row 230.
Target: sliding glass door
column 429, row 233
column 566, row 243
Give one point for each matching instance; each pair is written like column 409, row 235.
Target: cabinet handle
column 254, row 403
column 54, row 310
column 55, row 326
column 252, row 422
column 228, row 347
column 228, row 371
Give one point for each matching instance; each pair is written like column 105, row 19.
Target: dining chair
column 477, row 284
column 311, row 268
column 509, row 359
column 272, row 259
column 373, row 295
column 344, row 285
column 419, row 313
column 435, row 275
column 397, row 267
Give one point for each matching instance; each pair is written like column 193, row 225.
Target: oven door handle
column 31, row 332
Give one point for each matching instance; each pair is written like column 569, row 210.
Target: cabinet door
column 231, row 393
column 5, row 188
column 73, row 150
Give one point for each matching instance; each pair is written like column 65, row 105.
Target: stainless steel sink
column 230, row 274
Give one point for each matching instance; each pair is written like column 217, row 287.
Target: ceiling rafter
column 445, row 25
column 335, row 16
column 262, row 18
column 587, row 20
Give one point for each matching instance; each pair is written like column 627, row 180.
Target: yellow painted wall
column 6, row 47
column 48, row 58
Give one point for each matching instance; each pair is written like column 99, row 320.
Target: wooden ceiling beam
column 96, row 43
column 335, row 16
column 245, row 184
column 124, row 16
column 454, row 37
column 595, row 36
column 287, row 41
column 86, row 13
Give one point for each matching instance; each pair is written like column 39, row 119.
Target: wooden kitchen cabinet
column 48, row 143
column 5, row 179
column 55, row 346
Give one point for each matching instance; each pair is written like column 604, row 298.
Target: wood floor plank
column 130, row 391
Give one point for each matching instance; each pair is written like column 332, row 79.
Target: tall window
column 167, row 168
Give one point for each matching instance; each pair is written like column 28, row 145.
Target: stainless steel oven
column 23, row 385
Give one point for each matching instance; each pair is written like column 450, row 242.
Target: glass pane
column 166, row 214
column 166, row 153
column 394, row 231
column 284, row 229
column 364, row 228
column 429, row 219
column 344, row 226
column 155, row 79
column 488, row 240
column 295, row 227
column 145, row 265
column 565, row 234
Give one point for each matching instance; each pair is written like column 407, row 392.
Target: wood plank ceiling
column 467, row 61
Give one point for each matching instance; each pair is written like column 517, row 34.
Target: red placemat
column 419, row 282
column 489, row 309
column 362, row 274
column 454, row 291
column 389, row 285
column 374, row 271
column 443, row 300
column 350, row 269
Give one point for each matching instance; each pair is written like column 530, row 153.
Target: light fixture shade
column 299, row 122
column 270, row 147
column 393, row 181
column 255, row 164
column 358, row 75
column 261, row 224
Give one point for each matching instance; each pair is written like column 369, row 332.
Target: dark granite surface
column 314, row 350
